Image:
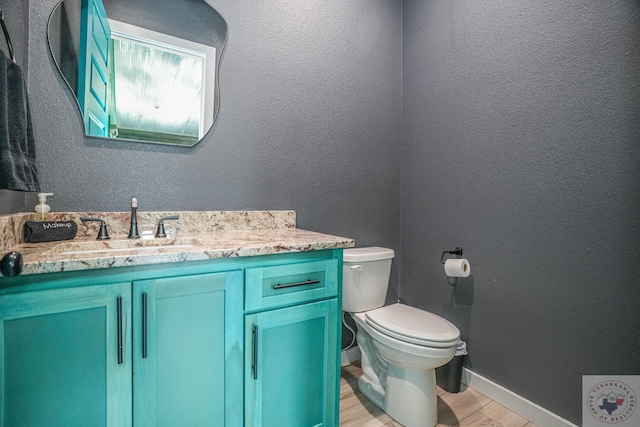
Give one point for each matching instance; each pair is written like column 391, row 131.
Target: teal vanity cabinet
column 246, row 341
column 149, row 352
column 291, row 344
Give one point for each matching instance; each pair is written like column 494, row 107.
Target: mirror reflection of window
column 198, row 27
column 159, row 86
column 156, row 92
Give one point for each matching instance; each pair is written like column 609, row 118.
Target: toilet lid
column 374, row 253
column 413, row 325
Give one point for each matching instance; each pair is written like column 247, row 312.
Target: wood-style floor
column 465, row 409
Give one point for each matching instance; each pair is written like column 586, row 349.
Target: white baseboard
column 515, row 403
column 349, row 356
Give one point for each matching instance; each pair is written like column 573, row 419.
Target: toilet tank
column 365, row 278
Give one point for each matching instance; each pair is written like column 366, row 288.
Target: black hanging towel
column 17, row 146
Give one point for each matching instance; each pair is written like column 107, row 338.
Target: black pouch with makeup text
column 49, row 231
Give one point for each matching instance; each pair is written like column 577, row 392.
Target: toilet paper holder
column 456, row 251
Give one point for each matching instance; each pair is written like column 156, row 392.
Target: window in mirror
column 160, row 88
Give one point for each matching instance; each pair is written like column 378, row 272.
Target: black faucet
column 133, row 228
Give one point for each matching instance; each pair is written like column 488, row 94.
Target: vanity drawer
column 290, row 284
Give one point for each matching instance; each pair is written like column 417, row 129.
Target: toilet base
column 410, row 396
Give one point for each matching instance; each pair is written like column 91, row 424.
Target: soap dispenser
column 43, row 208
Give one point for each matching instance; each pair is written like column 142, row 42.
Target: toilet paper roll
column 457, row 267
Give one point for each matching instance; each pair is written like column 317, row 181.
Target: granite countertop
column 195, row 236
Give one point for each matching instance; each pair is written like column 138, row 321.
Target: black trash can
column 449, row 376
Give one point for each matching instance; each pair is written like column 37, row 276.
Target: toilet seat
column 412, row 325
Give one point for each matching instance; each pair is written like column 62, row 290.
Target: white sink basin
column 138, row 245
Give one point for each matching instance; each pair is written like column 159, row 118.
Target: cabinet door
column 65, row 357
column 291, row 369
column 179, row 349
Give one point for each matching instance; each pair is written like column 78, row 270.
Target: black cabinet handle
column 255, row 352
column 144, row 325
column 119, row 327
column 291, row 285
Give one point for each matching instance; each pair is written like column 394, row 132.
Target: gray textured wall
column 521, row 143
column 309, row 120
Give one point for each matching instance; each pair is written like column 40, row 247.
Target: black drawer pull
column 291, row 285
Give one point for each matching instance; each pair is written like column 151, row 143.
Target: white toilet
column 400, row 345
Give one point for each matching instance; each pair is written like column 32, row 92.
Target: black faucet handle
column 160, row 232
column 102, row 234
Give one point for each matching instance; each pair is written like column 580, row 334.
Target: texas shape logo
column 611, row 402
